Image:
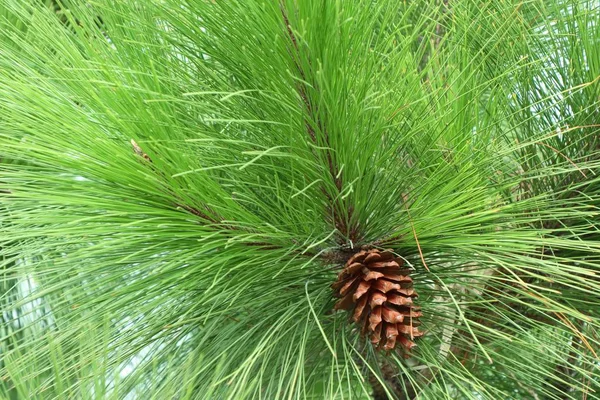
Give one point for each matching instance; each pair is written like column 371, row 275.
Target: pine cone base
column 379, row 292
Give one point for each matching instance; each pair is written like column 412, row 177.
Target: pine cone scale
column 371, row 275
column 361, row 290
column 351, row 269
column 360, row 307
column 392, row 316
column 349, row 285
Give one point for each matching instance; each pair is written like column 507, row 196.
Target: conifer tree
column 300, row 199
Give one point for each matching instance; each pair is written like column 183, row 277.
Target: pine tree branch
column 216, row 220
column 179, row 202
column 338, row 217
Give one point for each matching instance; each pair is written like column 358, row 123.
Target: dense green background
column 279, row 136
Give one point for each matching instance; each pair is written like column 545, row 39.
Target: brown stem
column 393, row 385
column 397, row 384
column 336, row 215
column 179, row 203
column 198, row 213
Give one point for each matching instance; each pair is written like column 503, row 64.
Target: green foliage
column 179, row 181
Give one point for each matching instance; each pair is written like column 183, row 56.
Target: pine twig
column 180, row 203
column 335, row 210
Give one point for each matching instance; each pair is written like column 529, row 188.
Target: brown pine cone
column 380, row 292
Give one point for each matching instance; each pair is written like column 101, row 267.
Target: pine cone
column 374, row 285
